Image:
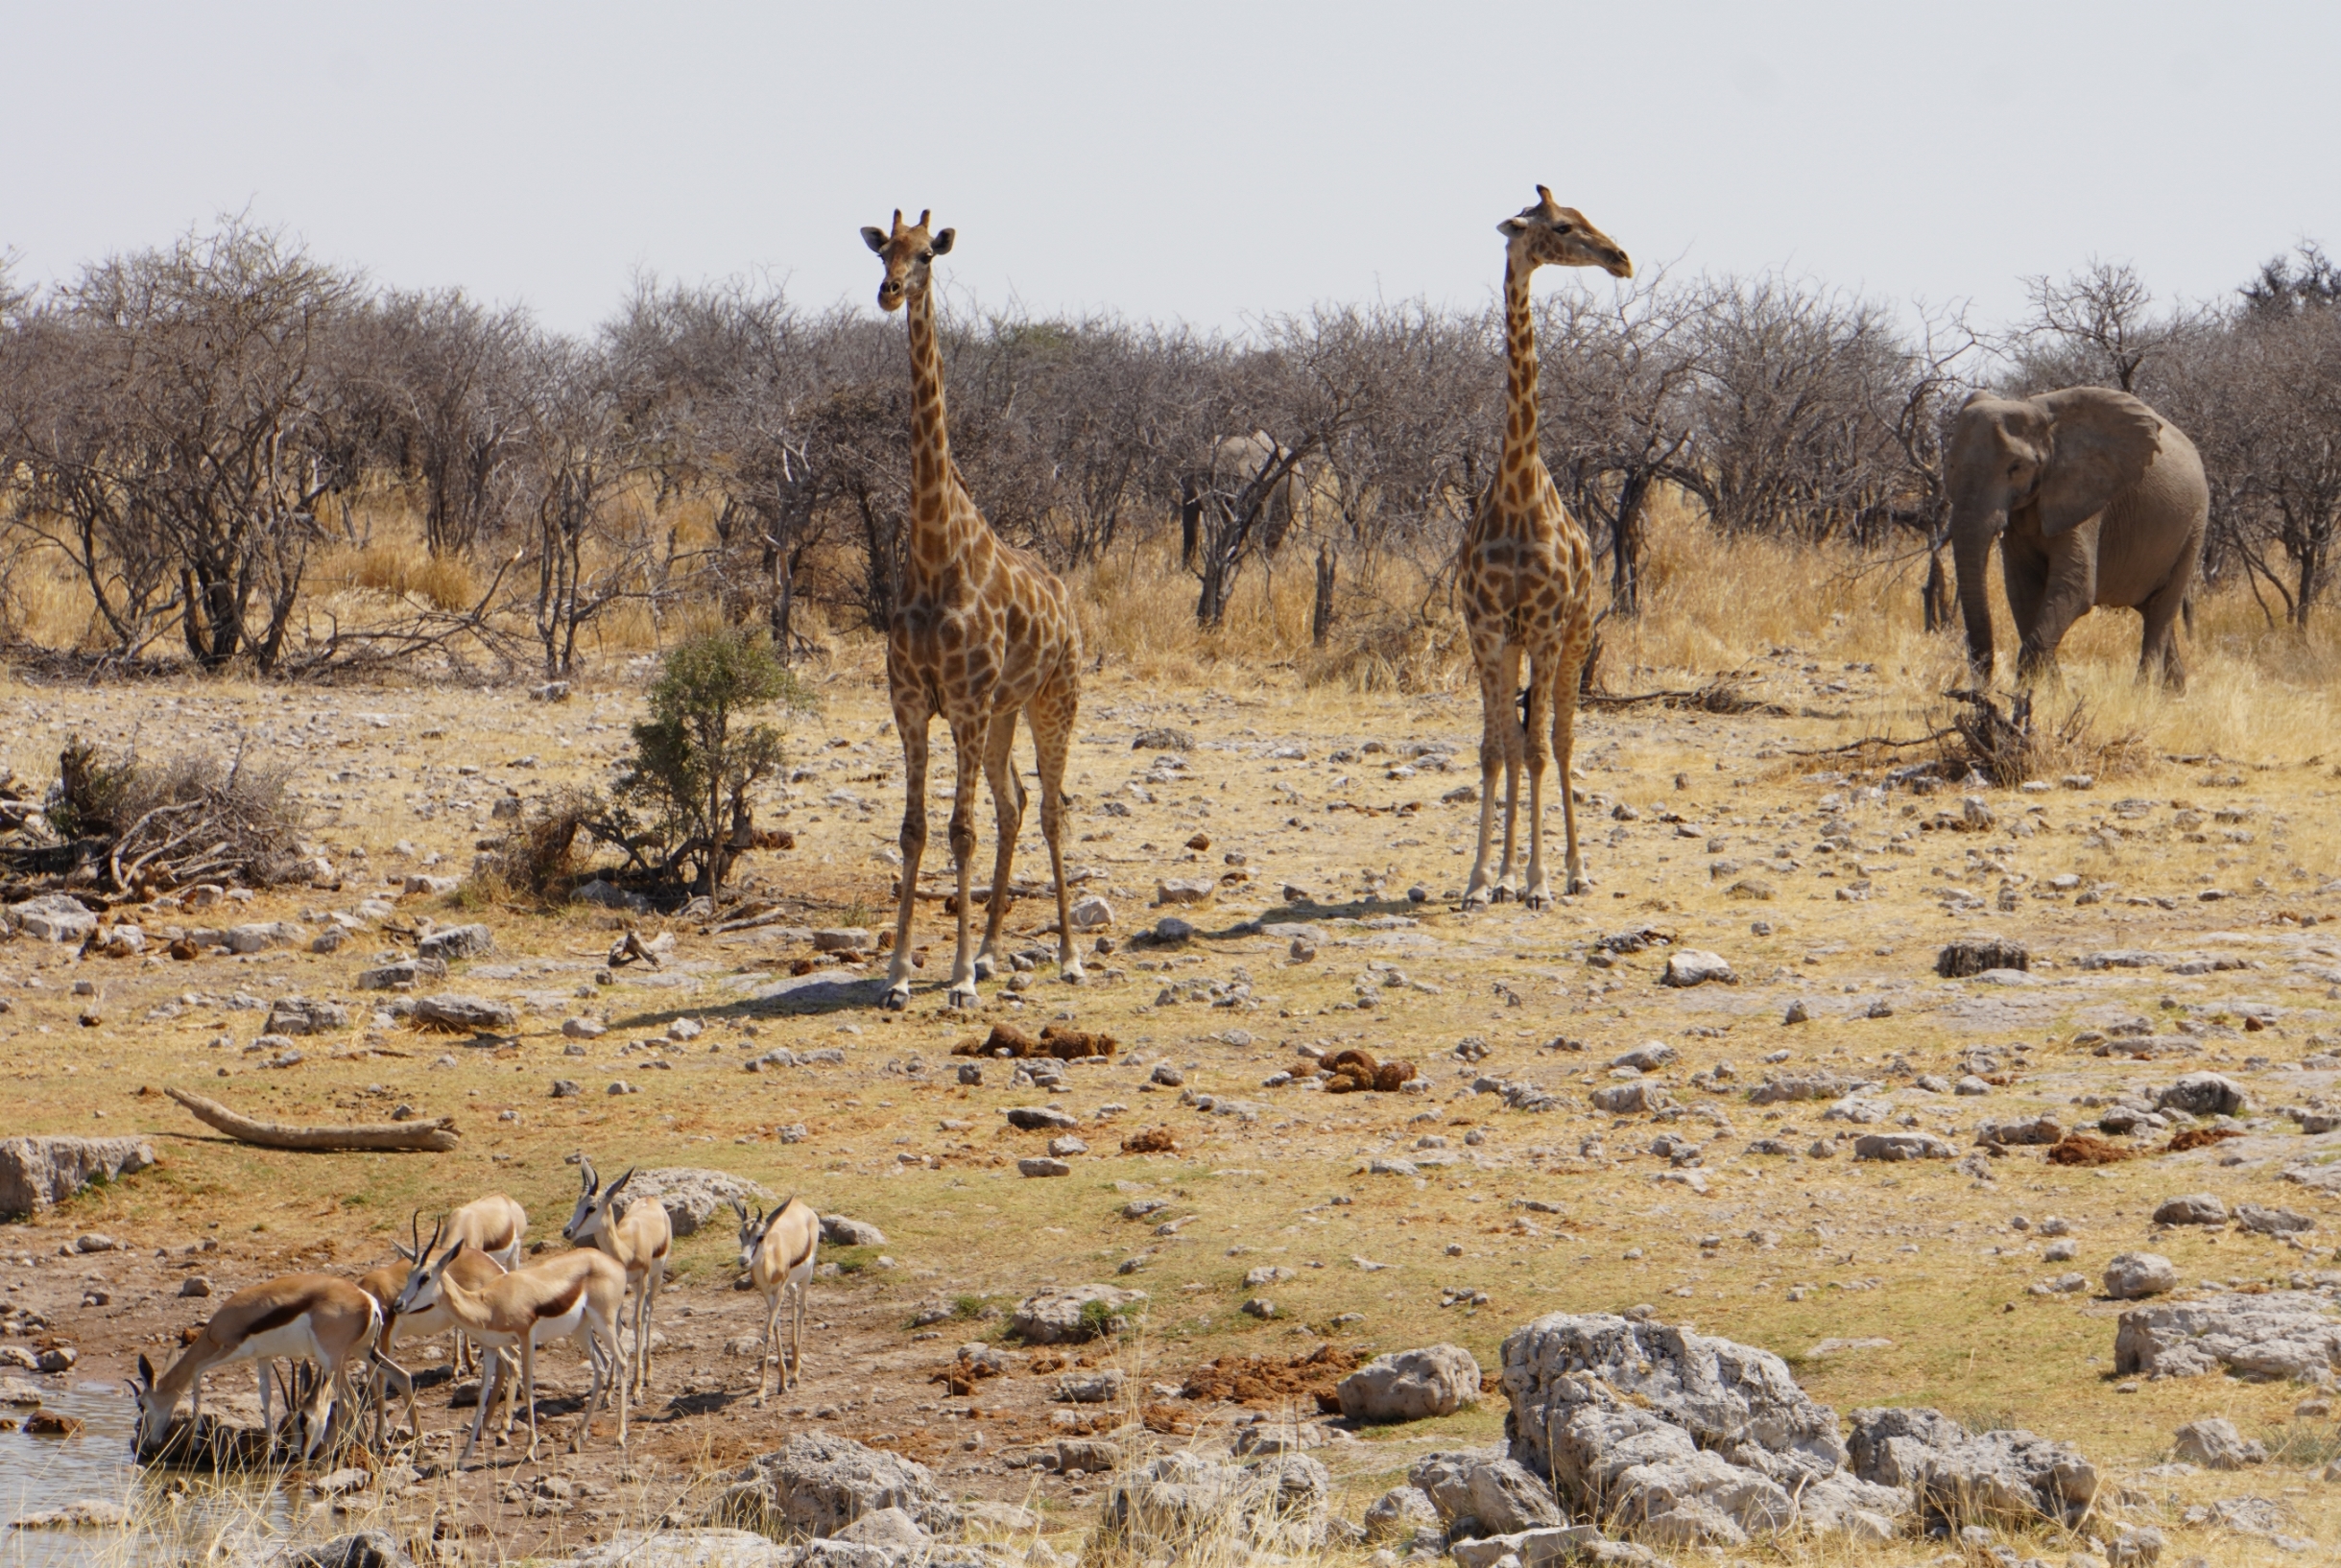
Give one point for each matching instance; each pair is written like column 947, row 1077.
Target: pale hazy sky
column 1202, row 161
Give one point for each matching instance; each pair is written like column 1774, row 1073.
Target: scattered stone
column 1964, row 959
column 1958, row 1480
column 584, row 1028
column 839, row 1231
column 1398, row 1513
column 468, row 941
column 817, row 1483
column 1068, row 1317
column 2268, row 1222
column 54, row 917
column 300, row 1015
column 2132, row 1275
column 1090, row 913
column 2282, row 1335
column 2204, row 1094
column 1678, row 1436
column 35, row 1173
column 1185, row 891
column 1173, row 1504
column 402, row 975
column 1695, row 966
column 1042, row 1165
column 2193, row 1209
column 1497, row 1493
column 82, row 1514
column 466, row 1015
column 1901, row 1146
column 1098, row 1387
column 1411, row 1385
column 2215, row 1445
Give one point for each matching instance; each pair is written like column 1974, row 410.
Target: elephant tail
column 2187, row 613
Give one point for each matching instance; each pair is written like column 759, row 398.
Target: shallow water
column 174, row 1510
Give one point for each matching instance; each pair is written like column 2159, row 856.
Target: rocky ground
column 1784, row 1154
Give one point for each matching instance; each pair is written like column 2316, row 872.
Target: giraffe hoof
column 1477, row 898
column 963, row 996
column 1538, row 898
column 898, row 998
column 1073, row 974
column 986, row 968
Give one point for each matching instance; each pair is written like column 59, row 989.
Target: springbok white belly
column 294, row 1341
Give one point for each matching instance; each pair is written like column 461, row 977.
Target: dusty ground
column 1506, row 1214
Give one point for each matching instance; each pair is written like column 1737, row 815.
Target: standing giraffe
column 1527, row 575
column 981, row 631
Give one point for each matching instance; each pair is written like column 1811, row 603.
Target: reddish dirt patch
column 2086, row 1149
column 2200, row 1137
column 1264, row 1380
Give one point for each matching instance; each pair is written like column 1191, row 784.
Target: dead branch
column 1883, row 742
column 436, row 1136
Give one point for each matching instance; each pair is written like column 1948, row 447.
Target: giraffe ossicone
column 981, row 633
column 1527, row 579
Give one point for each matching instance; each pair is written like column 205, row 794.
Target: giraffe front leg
column 1051, row 717
column 1475, row 893
column 1008, row 813
column 1507, row 719
column 914, row 849
column 967, row 739
column 1538, row 893
column 1564, row 746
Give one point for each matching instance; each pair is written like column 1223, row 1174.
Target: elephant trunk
column 1971, row 556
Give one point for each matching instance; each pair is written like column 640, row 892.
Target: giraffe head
column 1548, row 234
column 907, row 253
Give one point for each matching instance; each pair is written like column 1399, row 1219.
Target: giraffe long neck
column 930, row 430
column 1520, row 458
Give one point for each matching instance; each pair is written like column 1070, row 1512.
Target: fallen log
column 436, row 1136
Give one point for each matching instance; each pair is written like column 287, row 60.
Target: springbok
column 475, row 1272
column 493, row 1225
column 306, row 1317
column 575, row 1295
column 638, row 1236
column 777, row 1250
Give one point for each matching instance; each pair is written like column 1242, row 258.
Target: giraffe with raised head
column 1527, row 577
column 981, row 631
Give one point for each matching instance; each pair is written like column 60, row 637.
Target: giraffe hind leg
column 914, row 849
column 1007, row 807
column 968, row 738
column 1050, row 714
column 1508, row 876
column 1537, row 894
column 1492, row 698
column 1565, row 745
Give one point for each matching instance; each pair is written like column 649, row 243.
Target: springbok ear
column 146, row 1371
column 874, row 238
column 943, row 242
column 621, row 1181
column 584, row 1175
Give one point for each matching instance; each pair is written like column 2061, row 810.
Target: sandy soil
column 1882, row 1283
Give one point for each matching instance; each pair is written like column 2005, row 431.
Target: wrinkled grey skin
column 2094, row 499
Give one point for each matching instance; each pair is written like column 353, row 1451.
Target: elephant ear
column 2104, row 439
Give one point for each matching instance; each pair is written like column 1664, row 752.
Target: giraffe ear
column 874, row 238
column 1512, row 229
column 941, row 242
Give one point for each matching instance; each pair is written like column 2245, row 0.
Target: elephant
column 2094, row 499
column 1237, row 461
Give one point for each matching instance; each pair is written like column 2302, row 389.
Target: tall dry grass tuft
column 402, row 568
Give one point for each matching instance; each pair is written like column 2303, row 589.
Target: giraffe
column 981, row 631
column 1527, row 576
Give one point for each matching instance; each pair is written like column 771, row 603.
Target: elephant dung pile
column 1008, row 1041
column 1355, row 1071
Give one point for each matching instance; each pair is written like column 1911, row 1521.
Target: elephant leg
column 2162, row 610
column 2025, row 571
